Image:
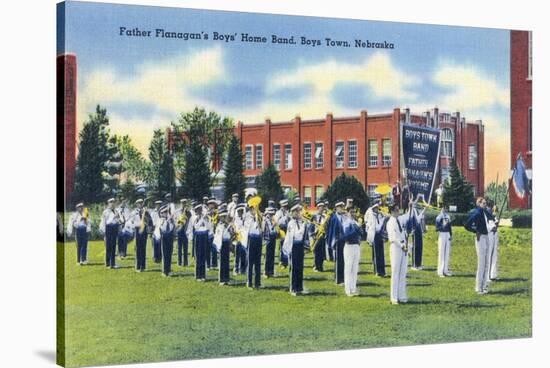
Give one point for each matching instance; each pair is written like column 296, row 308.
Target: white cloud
column 469, row 88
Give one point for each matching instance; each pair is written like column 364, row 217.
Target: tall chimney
column 407, row 115
column 436, row 117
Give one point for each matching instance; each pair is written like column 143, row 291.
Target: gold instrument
column 255, row 202
column 321, row 229
column 280, row 232
column 86, row 214
column 182, row 218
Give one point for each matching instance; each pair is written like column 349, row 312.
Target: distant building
column 521, row 102
column 310, row 154
column 66, row 126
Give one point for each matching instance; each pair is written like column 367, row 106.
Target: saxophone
column 142, row 221
column 321, row 229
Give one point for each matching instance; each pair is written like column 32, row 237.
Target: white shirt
column 110, row 216
column 222, row 234
column 294, row 232
column 231, row 207
column 77, row 220
column 252, row 226
column 373, row 223
column 281, row 217
column 397, row 230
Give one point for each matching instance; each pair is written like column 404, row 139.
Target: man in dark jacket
column 477, row 223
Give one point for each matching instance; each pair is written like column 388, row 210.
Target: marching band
column 216, row 230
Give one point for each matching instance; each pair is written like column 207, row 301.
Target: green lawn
column 120, row 316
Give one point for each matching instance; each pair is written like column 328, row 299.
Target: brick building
column 521, row 83
column 310, row 154
column 66, row 126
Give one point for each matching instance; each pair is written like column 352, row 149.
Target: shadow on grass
column 367, row 295
column 95, row 264
column 182, row 274
column 316, row 278
column 419, row 284
column 511, row 291
column 511, row 279
column 467, row 275
column 366, row 283
column 477, row 305
column 275, row 287
column 319, row 293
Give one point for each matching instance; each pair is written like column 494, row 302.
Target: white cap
column 339, row 204
column 296, row 207
column 78, row 205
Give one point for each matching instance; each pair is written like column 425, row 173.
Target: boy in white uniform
column 397, row 235
column 352, row 252
column 444, row 228
column 81, row 225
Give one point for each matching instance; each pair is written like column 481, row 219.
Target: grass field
column 120, row 316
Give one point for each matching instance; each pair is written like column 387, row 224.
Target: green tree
column 196, row 179
column 161, row 178
column 347, row 186
column 134, row 164
column 457, row 191
column 234, row 181
column 268, row 184
column 113, row 167
column 92, row 156
column 497, row 192
column 128, row 191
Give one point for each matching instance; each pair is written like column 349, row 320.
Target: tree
column 113, row 167
column 161, row 178
column 234, row 181
column 268, row 184
column 497, row 192
column 457, row 191
column 134, row 165
column 92, row 157
column 196, row 179
column 347, row 186
column 128, row 191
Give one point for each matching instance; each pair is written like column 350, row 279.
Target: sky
column 146, row 82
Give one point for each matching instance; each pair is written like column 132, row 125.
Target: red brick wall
column 66, row 123
column 520, row 103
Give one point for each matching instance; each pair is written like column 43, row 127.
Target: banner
column 420, row 149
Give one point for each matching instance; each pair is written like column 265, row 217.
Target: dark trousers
column 183, row 245
column 319, row 254
column 167, row 241
column 270, row 255
column 157, row 252
column 208, row 253
column 329, row 252
column 141, row 249
column 81, row 244
column 241, row 259
column 213, row 255
column 254, row 261
column 201, row 243
column 339, row 262
column 224, row 261
column 417, row 247
column 297, row 267
column 111, row 234
column 283, row 258
column 122, row 241
column 378, row 261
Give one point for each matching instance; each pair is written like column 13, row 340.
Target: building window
column 373, row 152
column 259, row 156
column 530, row 130
column 277, row 156
column 307, row 155
column 371, row 189
column 319, row 155
column 339, row 154
column 530, row 56
column 445, row 175
column 472, row 157
column 447, row 143
column 307, row 196
column 288, row 156
column 386, row 152
column 352, row 154
column 319, row 191
column 248, row 159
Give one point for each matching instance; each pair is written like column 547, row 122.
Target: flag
column 519, row 178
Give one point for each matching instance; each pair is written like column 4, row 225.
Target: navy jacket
column 476, row 221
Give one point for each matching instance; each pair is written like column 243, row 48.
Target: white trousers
column 444, row 246
column 352, row 254
column 398, row 259
column 482, row 275
column 493, row 255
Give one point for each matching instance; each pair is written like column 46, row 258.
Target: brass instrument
column 142, row 221
column 86, row 214
column 321, row 229
column 182, row 219
column 255, row 202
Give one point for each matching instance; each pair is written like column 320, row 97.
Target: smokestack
column 407, row 115
column 428, row 119
column 436, row 117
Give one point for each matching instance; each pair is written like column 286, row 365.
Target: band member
column 155, row 216
column 142, row 224
column 492, row 230
column 222, row 241
column 200, row 227
column 253, row 228
column 477, row 223
column 339, row 262
column 167, row 227
column 232, row 206
column 171, row 205
column 439, row 195
column 319, row 252
column 110, row 222
column 396, row 193
column 80, row 223
column 183, row 216
column 296, row 239
column 419, row 228
column 281, row 219
column 397, row 235
column 329, row 253
column 374, row 224
column 270, row 237
column 352, row 252
column 211, row 252
column 241, row 254
column 125, row 230
column 444, row 228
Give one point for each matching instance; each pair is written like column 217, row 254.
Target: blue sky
column 146, row 82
